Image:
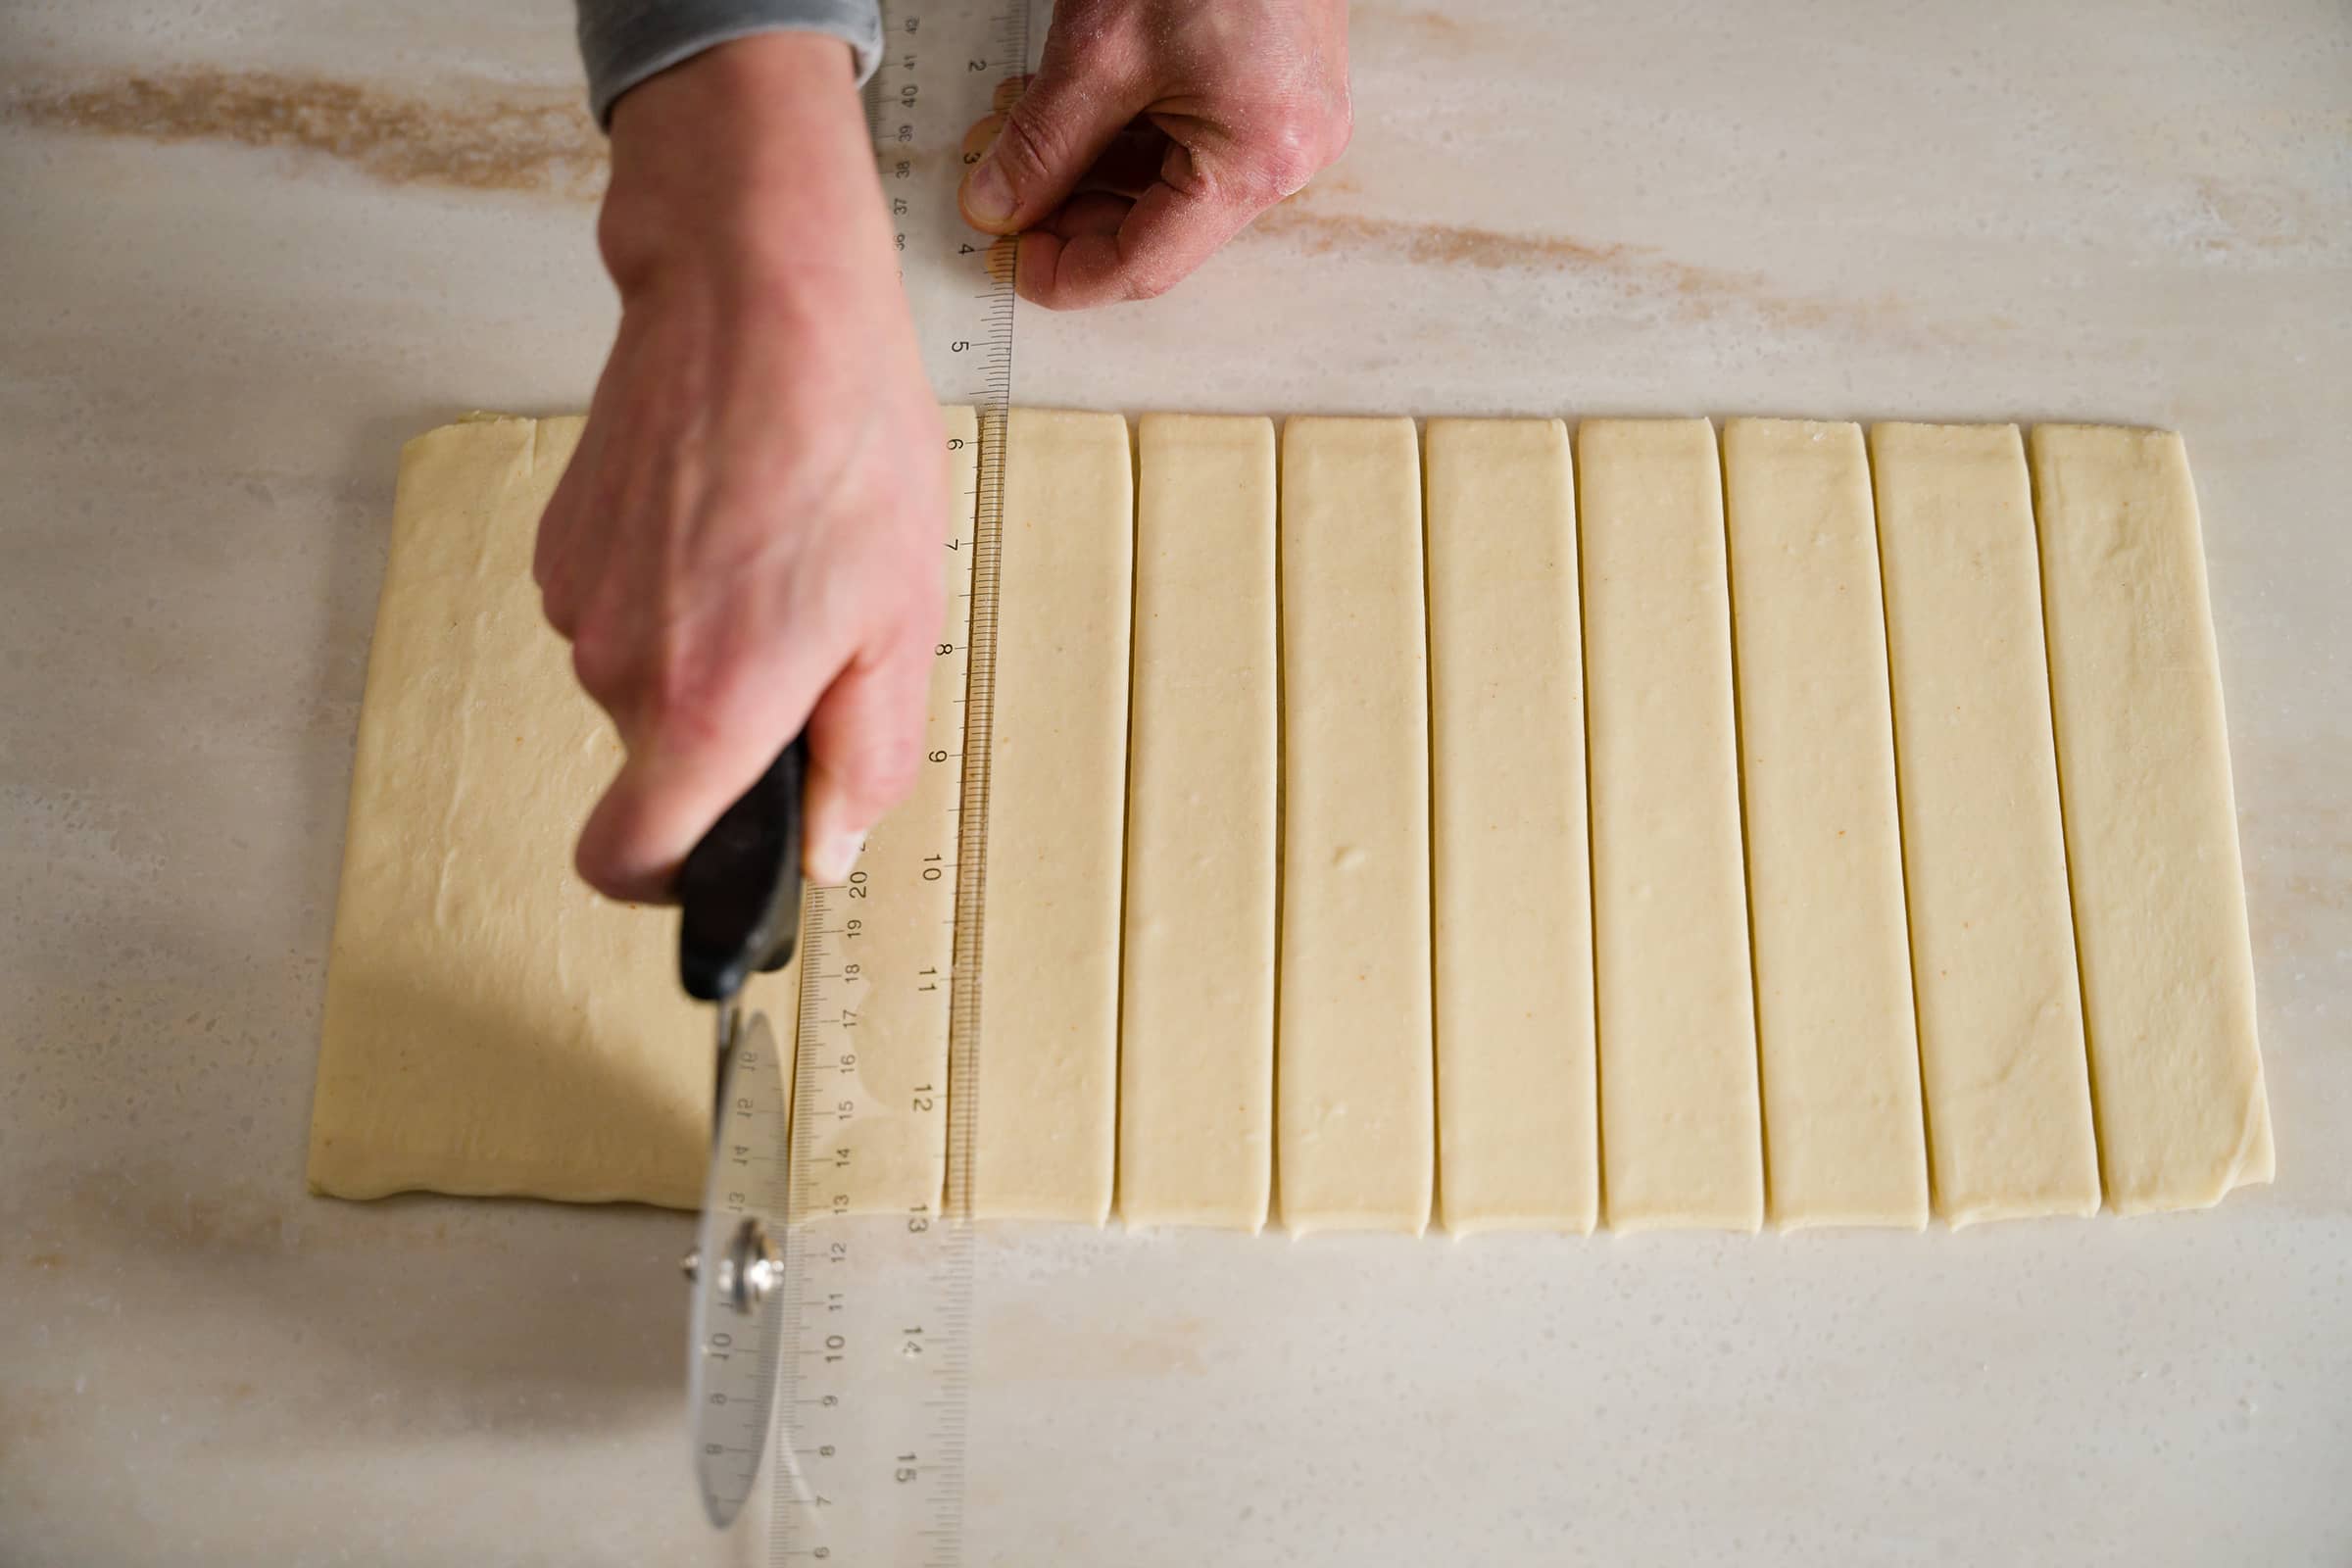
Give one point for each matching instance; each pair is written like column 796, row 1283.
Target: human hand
column 1152, row 134
column 747, row 536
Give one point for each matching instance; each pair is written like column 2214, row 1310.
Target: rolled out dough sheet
column 1517, row 1121
column 2151, row 827
column 1844, row 1143
column 2074, row 906
column 1047, row 1066
column 892, row 1156
column 1197, row 1009
column 1992, row 940
column 1354, row 1072
column 1680, row 1131
column 493, row 1026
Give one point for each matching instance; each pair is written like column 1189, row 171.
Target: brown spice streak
column 480, row 136
column 1693, row 292
column 1443, row 244
column 1423, row 28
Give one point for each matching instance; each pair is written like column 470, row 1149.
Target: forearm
column 752, row 163
column 625, row 41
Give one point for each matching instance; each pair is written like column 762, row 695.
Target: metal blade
column 736, row 1269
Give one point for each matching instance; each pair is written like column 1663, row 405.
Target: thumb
column 1052, row 136
column 865, row 737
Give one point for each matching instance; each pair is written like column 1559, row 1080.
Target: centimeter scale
column 873, row 1313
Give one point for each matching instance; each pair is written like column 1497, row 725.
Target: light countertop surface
column 246, row 249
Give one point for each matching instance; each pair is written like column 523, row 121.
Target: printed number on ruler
column 878, row 975
column 874, row 1376
column 944, row 68
column 873, row 1321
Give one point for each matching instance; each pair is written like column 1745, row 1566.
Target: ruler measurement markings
column 879, row 1400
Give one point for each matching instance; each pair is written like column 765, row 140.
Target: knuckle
column 654, row 693
column 556, row 603
column 1091, row 41
column 676, row 706
column 1046, row 295
column 1291, row 151
column 659, row 685
column 547, row 544
column 604, row 665
column 1146, row 283
column 1025, row 147
column 596, row 867
column 551, row 548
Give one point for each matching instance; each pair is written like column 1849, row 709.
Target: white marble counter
column 247, row 248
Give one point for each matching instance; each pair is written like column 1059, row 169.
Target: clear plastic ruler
column 875, row 1315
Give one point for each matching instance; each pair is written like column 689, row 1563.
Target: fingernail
column 987, row 193
column 836, row 857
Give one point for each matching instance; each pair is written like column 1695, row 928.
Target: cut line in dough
column 1838, row 1046
column 2062, row 789
column 1356, row 1122
column 2151, row 827
column 891, row 968
column 1196, row 1010
column 1993, row 939
column 1046, row 1120
column 1517, row 1122
column 1681, row 1133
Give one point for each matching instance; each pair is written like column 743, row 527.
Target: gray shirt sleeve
column 625, row 41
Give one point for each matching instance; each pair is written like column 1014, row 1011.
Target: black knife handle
column 741, row 885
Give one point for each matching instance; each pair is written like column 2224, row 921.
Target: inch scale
column 874, row 1318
